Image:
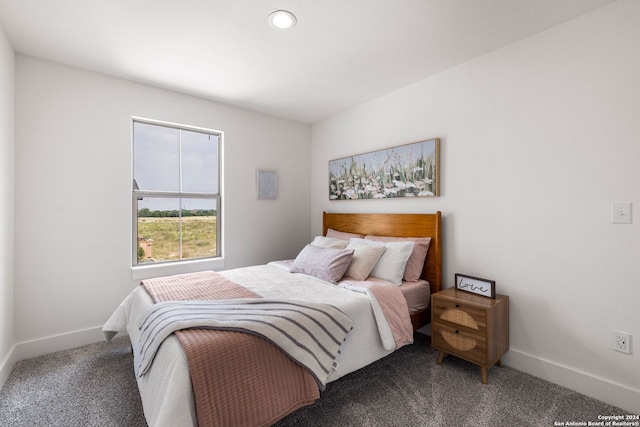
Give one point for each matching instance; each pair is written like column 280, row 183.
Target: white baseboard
column 7, row 365
column 39, row 347
column 606, row 391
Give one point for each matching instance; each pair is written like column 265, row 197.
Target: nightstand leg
column 483, row 374
column 440, row 358
column 500, row 362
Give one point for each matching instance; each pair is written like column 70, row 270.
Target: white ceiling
column 342, row 52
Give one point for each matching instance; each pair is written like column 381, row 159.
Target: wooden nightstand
column 471, row 327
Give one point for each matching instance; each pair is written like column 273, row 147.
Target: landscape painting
column 409, row 170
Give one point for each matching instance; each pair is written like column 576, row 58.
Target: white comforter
column 166, row 387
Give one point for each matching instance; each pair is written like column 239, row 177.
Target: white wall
column 73, row 193
column 7, row 74
column 538, row 139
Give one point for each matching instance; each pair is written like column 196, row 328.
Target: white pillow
column 415, row 265
column 329, row 242
column 393, row 262
column 365, row 257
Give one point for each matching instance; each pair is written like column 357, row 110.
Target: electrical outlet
column 622, row 342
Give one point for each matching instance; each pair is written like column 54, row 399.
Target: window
column 175, row 193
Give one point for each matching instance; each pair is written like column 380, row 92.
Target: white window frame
column 145, row 270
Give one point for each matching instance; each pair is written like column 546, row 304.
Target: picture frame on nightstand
column 476, row 285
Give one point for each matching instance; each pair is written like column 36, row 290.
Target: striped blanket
column 310, row 333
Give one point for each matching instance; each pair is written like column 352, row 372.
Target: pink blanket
column 238, row 379
column 392, row 304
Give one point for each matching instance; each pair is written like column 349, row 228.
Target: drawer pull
column 457, row 331
column 457, row 305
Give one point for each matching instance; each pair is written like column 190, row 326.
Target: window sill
column 147, row 271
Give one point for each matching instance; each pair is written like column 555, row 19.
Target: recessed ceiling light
column 282, row 19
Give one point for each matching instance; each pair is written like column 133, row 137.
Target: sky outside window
column 158, row 151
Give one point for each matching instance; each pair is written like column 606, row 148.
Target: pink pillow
column 342, row 235
column 415, row 263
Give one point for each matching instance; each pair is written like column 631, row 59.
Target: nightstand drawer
column 460, row 314
column 466, row 345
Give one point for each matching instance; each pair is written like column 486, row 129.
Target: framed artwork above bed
column 410, row 170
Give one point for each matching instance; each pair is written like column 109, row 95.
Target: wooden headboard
column 398, row 225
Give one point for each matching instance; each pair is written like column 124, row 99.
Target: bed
column 166, row 388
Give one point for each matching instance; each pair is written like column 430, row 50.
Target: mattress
column 417, row 294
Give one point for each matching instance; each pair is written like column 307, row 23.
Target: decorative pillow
column 393, row 262
column 342, row 235
column 324, row 263
column 415, row 263
column 329, row 242
column 365, row 257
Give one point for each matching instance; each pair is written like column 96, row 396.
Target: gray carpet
column 94, row 386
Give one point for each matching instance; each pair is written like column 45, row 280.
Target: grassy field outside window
column 198, row 237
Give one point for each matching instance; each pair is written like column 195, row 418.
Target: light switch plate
column 621, row 213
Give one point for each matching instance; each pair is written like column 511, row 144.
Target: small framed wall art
column 476, row 285
column 267, row 184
